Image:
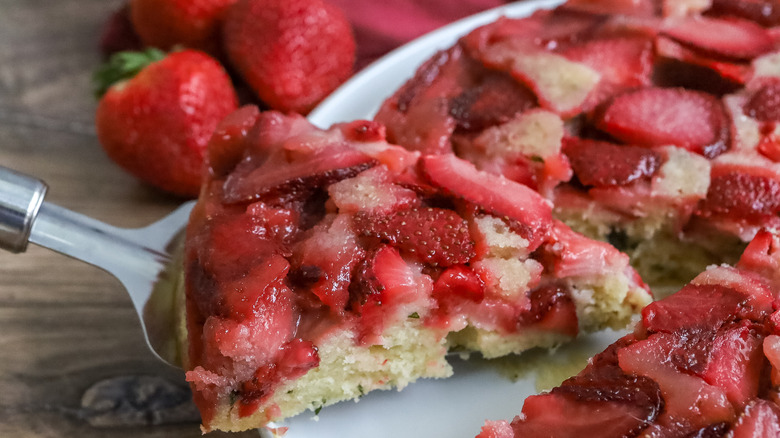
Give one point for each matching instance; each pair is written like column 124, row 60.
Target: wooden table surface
column 73, row 362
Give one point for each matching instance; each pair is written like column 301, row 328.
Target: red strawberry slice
column 731, row 72
column 736, row 363
column 625, row 60
column 279, row 179
column 661, row 116
column 433, row 235
column 731, row 38
column 763, row 12
column 496, row 100
column 762, row 256
column 552, row 310
column 492, row 193
column 760, row 419
column 598, row 163
column 327, row 258
column 459, row 281
column 742, row 195
column 381, row 285
column 696, row 306
column 764, row 105
column 689, row 402
column 637, row 8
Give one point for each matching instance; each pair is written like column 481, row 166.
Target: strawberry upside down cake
column 321, row 265
column 703, row 362
column 651, row 124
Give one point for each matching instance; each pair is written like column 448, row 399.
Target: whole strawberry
column 156, row 124
column 292, row 53
column 190, row 23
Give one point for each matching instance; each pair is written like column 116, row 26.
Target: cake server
column 141, row 259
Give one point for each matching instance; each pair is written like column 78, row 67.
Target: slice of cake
column 649, row 124
column 703, row 362
column 321, row 265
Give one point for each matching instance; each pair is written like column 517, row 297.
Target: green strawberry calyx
column 122, row 66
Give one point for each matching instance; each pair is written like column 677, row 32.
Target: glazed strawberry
column 492, row 193
column 763, row 12
column 157, row 123
column 190, row 23
column 742, row 195
column 730, row 38
column 625, row 164
column 436, row 236
column 494, row 101
column 663, row 116
column 293, row 53
column 764, row 104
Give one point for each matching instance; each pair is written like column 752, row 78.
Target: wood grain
column 66, row 326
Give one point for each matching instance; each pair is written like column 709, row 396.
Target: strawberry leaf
column 122, row 66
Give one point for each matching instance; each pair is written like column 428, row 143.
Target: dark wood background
column 66, row 326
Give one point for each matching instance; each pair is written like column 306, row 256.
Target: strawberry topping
column 434, row 235
column 625, row 164
column 492, row 193
column 764, row 105
column 763, row 12
column 661, row 116
column 742, row 195
column 497, row 100
column 730, row 38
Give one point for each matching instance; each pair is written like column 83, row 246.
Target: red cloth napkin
column 381, row 26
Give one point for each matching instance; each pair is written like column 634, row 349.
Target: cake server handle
column 21, row 197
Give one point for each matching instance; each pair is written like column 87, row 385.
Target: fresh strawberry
column 742, row 195
column 190, row 23
column 293, row 53
column 493, row 193
column 661, row 116
column 156, row 124
column 732, row 38
column 764, row 104
column 436, row 236
column 763, row 12
column 625, row 164
column 118, row 34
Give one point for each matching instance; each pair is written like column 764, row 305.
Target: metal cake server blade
column 142, row 259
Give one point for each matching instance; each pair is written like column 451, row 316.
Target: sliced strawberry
column 460, row 281
column 762, row 256
column 625, row 164
column 736, row 363
column 764, row 105
column 731, row 74
column 382, row 284
column 699, row 306
column 760, row 419
column 434, row 235
column 570, row 254
column 742, row 195
column 492, row 193
column 731, row 38
column 638, row 8
column 496, row 429
column 690, row 403
column 327, row 258
column 496, row 100
column 364, row 131
column 661, row 116
column 552, row 310
column 763, row 12
column 625, row 60
column 261, row 294
column 226, row 147
column 276, row 179
column 771, row 348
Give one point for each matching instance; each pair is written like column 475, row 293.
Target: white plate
column 459, row 406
